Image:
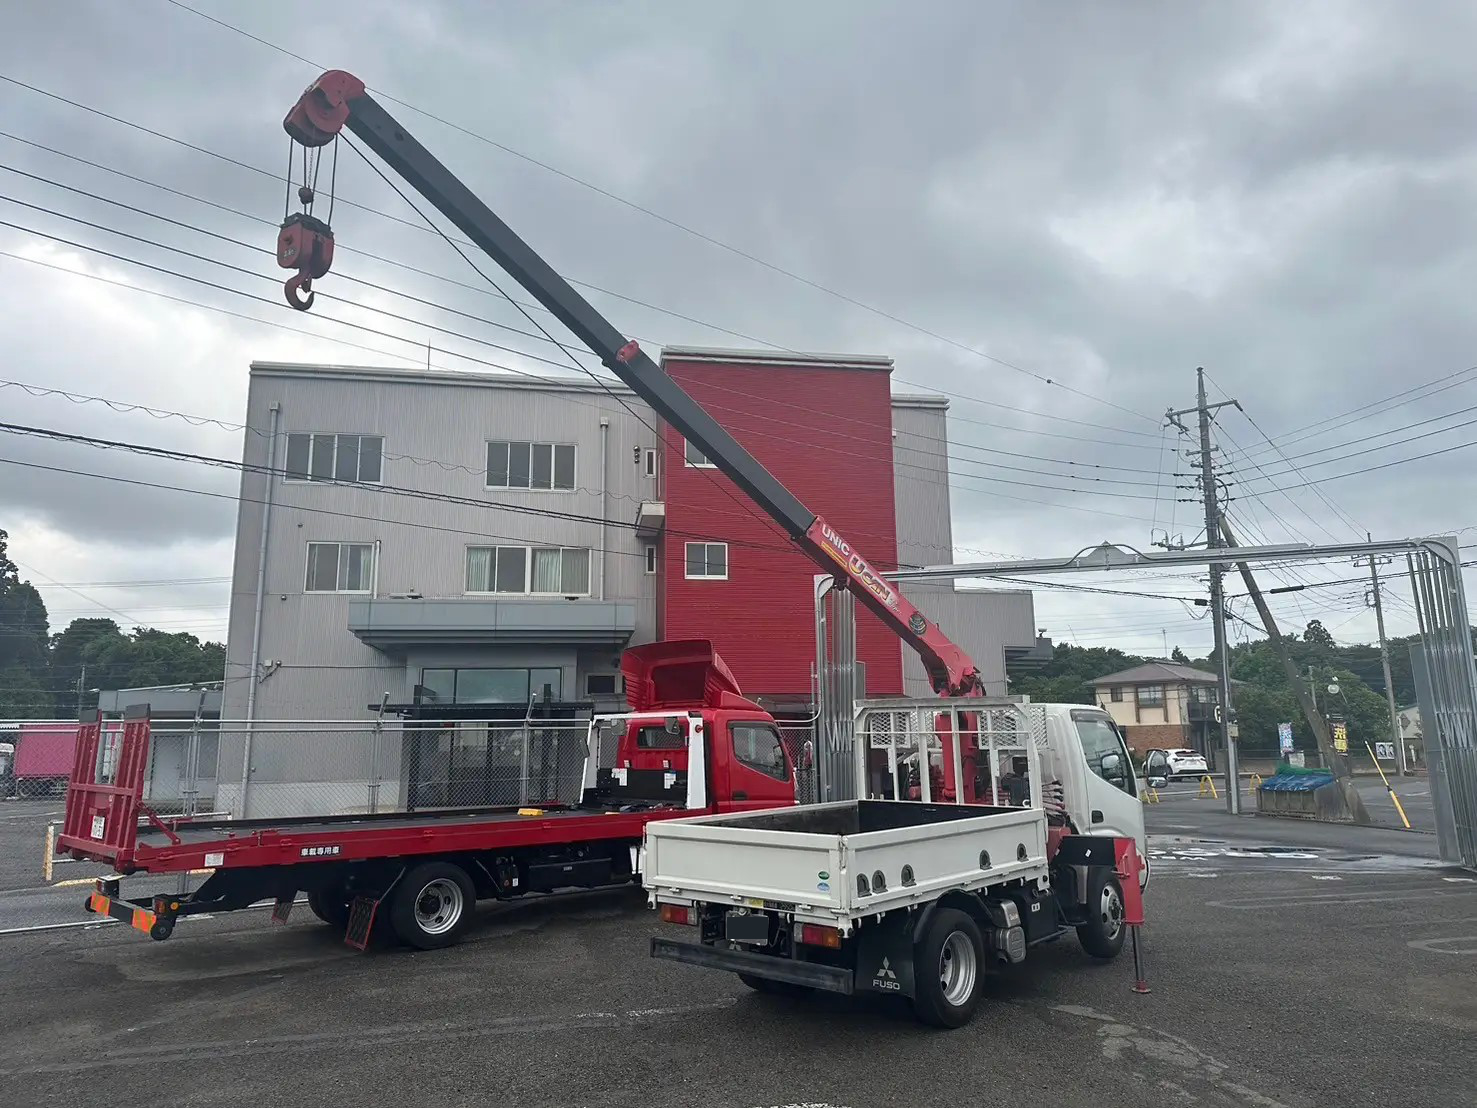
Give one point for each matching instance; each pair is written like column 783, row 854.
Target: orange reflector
column 678, row 913
column 143, row 920
column 813, row 934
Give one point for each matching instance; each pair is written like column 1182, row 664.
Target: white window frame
column 528, row 569
column 309, row 479
column 651, row 559
column 688, row 449
column 705, row 576
column 340, row 567
column 554, row 447
column 648, row 458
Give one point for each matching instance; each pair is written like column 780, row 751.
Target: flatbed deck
column 169, row 847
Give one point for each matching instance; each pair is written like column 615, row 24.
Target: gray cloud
column 1107, row 196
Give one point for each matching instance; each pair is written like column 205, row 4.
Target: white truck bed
column 807, row 860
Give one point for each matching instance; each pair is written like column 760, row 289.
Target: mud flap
column 884, row 957
column 361, row 921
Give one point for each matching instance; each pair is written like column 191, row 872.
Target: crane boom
column 339, row 99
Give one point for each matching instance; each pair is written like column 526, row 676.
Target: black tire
column 161, row 930
column 948, row 970
column 1103, row 931
column 332, row 906
column 432, row 905
column 773, row 988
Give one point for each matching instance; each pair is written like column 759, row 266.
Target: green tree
column 1066, row 679
column 23, row 643
column 68, row 655
column 1178, row 655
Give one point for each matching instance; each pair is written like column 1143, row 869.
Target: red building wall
column 826, row 432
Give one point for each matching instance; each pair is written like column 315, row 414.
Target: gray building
column 394, row 558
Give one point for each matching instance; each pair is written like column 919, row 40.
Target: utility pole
column 1306, row 700
column 1211, row 497
column 81, row 684
column 1379, row 619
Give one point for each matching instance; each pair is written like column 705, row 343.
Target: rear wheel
column 331, row 906
column 948, row 970
column 432, row 905
column 1103, row 932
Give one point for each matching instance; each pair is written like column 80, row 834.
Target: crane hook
column 302, row 283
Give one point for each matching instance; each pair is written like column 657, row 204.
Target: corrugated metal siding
column 826, row 433
column 921, row 474
column 983, row 622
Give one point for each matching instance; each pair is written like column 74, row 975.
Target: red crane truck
column 420, row 866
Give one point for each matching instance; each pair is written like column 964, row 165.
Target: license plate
column 751, row 928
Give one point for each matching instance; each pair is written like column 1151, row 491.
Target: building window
column 1149, row 696
column 707, row 561
column 530, row 465
column 340, row 567
column 488, row 686
column 1115, row 694
column 650, row 553
column 321, row 457
column 528, row 570
column 649, row 463
column 602, row 684
column 758, row 746
column 695, row 458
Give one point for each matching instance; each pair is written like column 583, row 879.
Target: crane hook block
column 306, row 245
column 323, row 109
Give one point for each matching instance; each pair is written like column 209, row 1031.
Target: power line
column 543, row 337
column 473, row 358
column 575, row 281
column 711, row 240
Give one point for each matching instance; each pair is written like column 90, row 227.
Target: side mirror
column 1158, row 782
column 1111, row 766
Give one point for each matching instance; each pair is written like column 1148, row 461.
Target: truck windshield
column 1100, row 744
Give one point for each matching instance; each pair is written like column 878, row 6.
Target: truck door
column 1113, row 806
column 759, row 773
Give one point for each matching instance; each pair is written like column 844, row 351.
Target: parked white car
column 1174, row 763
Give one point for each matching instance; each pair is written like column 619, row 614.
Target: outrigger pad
column 361, row 921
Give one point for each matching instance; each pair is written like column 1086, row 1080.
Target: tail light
column 678, row 913
column 813, row 934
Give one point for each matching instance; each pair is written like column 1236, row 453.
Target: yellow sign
column 1341, row 738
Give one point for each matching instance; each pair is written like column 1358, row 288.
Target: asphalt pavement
column 1298, row 976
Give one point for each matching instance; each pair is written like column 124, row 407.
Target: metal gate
column 1446, row 686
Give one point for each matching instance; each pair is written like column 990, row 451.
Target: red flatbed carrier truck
column 688, row 747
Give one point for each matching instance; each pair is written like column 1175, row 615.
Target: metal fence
column 276, row 769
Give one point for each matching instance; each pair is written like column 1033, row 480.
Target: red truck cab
column 743, row 761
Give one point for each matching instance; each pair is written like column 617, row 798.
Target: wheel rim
column 438, row 906
column 958, row 967
column 1110, row 911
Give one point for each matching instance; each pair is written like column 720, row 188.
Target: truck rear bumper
column 830, row 979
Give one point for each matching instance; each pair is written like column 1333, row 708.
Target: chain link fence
column 799, row 743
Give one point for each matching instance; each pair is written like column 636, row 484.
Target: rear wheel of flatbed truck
column 948, row 970
column 432, row 904
column 331, row 906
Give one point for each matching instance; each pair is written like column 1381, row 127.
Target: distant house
column 1162, row 705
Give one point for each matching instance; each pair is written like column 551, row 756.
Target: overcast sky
column 1102, row 196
